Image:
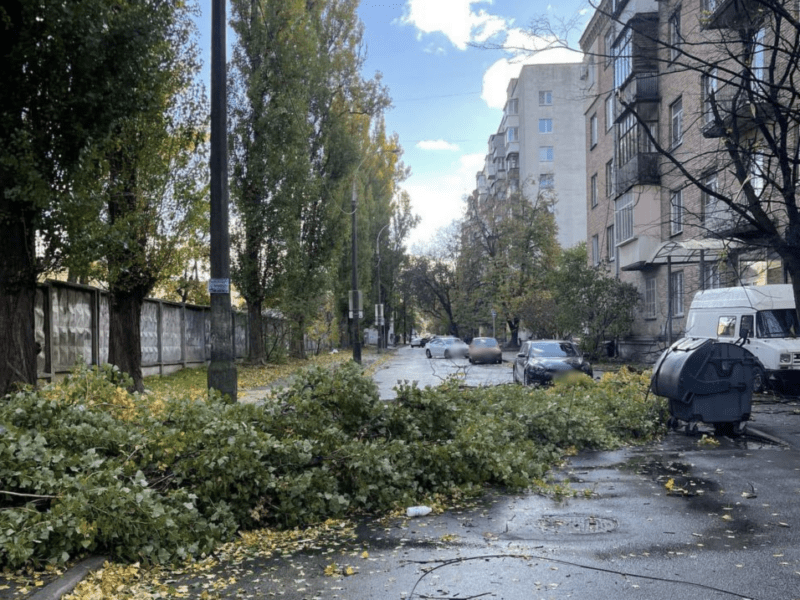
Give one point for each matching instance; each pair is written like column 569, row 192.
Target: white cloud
column 455, row 19
column 436, row 145
column 438, row 199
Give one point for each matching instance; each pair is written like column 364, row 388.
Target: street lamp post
column 378, row 279
column 355, row 295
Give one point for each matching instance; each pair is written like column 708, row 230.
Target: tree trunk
column 298, row 338
column 255, row 331
column 124, row 336
column 17, row 299
column 513, row 326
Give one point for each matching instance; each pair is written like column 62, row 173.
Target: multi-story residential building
column 668, row 82
column 539, row 145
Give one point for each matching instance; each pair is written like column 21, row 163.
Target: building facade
column 673, row 122
column 539, row 146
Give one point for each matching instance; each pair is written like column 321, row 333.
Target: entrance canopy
column 684, row 252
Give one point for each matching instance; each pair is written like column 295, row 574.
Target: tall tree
column 512, row 246
column 155, row 194
column 69, row 73
column 433, row 280
column 300, row 105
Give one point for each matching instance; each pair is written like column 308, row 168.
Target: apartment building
column 668, row 82
column 539, row 145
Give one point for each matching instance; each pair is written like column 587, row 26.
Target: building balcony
column 641, row 87
column 723, row 223
column 731, row 14
column 642, row 169
column 735, row 111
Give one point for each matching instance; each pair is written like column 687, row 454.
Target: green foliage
column 590, row 303
column 88, row 467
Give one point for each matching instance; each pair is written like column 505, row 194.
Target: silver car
column 446, row 347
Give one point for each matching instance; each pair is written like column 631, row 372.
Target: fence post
column 183, row 334
column 160, row 336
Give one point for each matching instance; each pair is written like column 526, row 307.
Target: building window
column 593, row 130
column 711, row 279
column 595, row 250
column 545, row 125
column 610, row 178
column 676, row 212
column 650, row 298
column 546, row 181
column 709, row 91
column 626, row 142
column 545, row 98
column 757, row 172
column 623, row 59
column 676, row 122
column 623, row 217
column 609, row 112
column 708, row 202
column 512, row 106
column 759, row 53
column 675, row 39
column 593, row 190
column 676, row 293
column 545, row 154
column 611, row 244
column 512, row 135
column 512, row 160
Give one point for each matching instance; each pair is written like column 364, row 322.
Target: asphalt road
column 410, row 364
column 677, row 519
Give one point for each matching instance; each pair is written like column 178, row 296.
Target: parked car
column 418, row 342
column 485, row 350
column 541, row 361
column 446, row 347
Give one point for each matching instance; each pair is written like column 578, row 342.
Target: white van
column 765, row 315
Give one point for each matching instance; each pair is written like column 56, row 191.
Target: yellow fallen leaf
column 727, row 518
column 365, row 554
column 670, row 485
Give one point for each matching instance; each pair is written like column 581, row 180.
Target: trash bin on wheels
column 706, row 381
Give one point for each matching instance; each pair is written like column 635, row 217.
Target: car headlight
column 786, row 359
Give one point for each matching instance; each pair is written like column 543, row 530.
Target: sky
column 447, row 95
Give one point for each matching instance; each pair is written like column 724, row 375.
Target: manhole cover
column 578, row 524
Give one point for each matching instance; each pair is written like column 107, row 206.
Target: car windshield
column 777, row 323
column 552, row 349
column 484, row 342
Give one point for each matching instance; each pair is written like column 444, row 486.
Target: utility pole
column 222, row 369
column 355, row 295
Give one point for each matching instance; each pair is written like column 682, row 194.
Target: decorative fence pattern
column 72, row 324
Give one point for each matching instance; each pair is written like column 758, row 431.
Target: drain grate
column 576, row 524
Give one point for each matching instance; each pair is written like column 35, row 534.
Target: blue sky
column 447, row 96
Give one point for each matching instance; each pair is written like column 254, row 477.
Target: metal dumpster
column 706, row 381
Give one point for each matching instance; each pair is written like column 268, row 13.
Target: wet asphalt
column 680, row 518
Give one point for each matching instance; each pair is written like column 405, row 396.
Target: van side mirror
column 744, row 333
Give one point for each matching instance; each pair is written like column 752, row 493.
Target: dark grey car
column 540, row 361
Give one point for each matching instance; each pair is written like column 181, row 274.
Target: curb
column 67, row 582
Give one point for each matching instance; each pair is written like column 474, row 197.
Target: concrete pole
column 222, row 369
column 354, row 277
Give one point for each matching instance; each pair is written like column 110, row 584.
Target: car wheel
column 428, row 353
column 447, row 353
